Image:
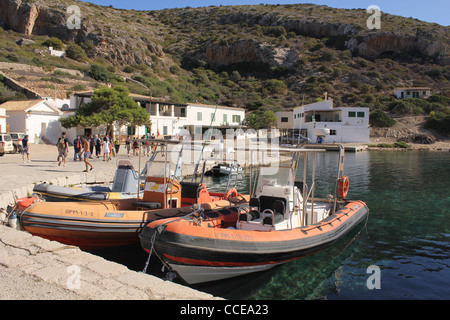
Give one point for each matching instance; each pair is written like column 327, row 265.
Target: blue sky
column 431, row 11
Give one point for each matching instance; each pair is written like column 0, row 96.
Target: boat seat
column 190, row 189
column 253, row 214
column 278, row 210
column 147, row 204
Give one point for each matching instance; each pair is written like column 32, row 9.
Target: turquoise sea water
column 407, row 235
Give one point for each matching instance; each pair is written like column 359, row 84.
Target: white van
column 6, row 144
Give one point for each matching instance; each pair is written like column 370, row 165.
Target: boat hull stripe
column 191, row 249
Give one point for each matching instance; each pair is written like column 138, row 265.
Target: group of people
column 105, row 146
column 84, row 149
column 147, row 146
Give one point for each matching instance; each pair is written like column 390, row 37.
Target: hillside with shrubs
column 261, row 57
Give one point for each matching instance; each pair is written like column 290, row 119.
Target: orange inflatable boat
column 100, row 224
column 283, row 221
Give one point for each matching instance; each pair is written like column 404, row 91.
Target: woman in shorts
column 87, row 153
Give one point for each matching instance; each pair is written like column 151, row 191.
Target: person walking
column 63, row 149
column 98, row 146
column 25, row 149
column 117, row 145
column 128, row 145
column 106, row 150
column 112, row 150
column 91, row 146
column 87, row 153
column 135, row 148
column 77, row 148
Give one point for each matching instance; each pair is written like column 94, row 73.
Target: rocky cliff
column 234, row 53
column 249, row 51
column 353, row 36
column 47, row 17
column 41, row 18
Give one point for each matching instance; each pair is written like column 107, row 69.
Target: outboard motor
column 126, row 178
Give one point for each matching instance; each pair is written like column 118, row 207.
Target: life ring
column 344, row 185
column 231, row 193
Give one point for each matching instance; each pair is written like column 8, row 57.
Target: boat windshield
column 160, row 169
column 282, row 178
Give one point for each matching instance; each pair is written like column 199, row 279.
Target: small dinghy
column 124, row 186
column 282, row 222
column 224, row 170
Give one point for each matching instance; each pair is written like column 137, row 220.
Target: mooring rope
column 159, row 229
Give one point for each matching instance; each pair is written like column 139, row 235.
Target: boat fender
column 232, row 193
column 343, row 187
column 12, row 221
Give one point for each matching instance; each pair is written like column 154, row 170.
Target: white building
column 3, row 117
column 345, row 124
column 285, row 120
column 196, row 118
column 412, row 92
column 56, row 53
column 171, row 119
column 38, row 118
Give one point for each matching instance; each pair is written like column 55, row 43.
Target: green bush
column 380, row 119
column 75, row 52
column 275, row 86
column 53, row 42
column 401, row 144
column 99, row 73
column 438, row 121
column 401, row 107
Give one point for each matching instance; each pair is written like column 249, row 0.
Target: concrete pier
column 35, row 268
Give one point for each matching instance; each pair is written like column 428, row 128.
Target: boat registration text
column 230, row 236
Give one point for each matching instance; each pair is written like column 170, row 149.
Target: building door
column 87, row 132
column 43, row 130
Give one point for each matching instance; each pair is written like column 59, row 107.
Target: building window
column 183, row 112
column 165, row 130
column 199, row 116
column 131, row 131
column 360, row 114
column 284, row 119
column 225, row 118
column 237, row 118
column 332, row 132
column 295, row 116
column 352, row 114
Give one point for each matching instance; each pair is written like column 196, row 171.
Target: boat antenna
column 204, row 144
